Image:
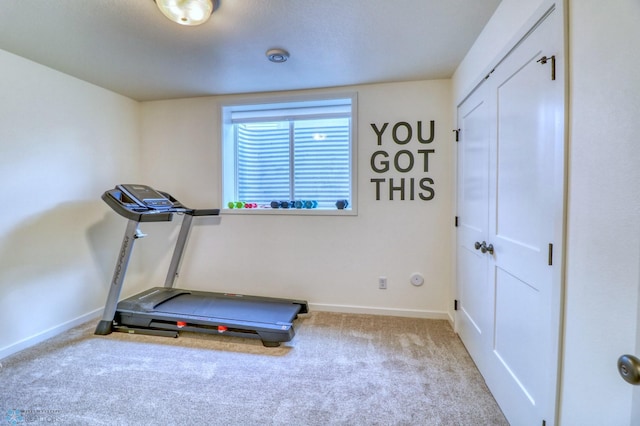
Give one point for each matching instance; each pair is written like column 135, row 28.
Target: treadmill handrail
column 204, row 212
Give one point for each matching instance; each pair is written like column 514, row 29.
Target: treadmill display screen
column 146, row 196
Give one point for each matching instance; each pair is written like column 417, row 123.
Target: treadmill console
column 145, row 197
column 142, row 203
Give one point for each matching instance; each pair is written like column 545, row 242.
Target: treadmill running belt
column 232, row 309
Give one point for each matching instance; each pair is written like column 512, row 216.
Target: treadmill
column 165, row 311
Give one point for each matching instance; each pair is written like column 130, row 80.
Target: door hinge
column 457, row 132
column 455, row 305
column 550, row 254
column 455, row 222
column 546, row 59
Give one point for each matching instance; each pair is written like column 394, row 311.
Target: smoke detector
column 277, row 55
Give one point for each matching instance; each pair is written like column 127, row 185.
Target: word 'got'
column 403, row 161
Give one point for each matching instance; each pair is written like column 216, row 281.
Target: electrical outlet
column 382, row 283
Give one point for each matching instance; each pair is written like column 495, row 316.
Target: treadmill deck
column 160, row 308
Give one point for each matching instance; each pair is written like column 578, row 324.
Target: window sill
column 291, row 212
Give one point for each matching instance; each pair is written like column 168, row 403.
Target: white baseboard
column 47, row 334
column 351, row 309
column 452, row 321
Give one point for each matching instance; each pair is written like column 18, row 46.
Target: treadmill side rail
column 130, row 235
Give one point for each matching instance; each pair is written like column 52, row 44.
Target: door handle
column 483, row 247
column 486, row 248
column 629, row 369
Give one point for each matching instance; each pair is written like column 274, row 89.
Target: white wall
column 603, row 224
column 333, row 262
column 62, row 143
column 603, row 256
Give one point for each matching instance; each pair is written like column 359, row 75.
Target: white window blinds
column 292, row 152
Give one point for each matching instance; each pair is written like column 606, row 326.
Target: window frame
column 228, row 153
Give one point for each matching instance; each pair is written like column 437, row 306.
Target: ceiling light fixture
column 187, row 12
column 277, row 55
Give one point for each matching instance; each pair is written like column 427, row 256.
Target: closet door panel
column 523, row 224
column 474, row 321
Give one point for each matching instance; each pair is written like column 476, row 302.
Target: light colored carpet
column 340, row 369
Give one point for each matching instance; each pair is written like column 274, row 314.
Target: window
column 290, row 156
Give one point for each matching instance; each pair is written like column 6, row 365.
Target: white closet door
column 474, row 322
column 525, row 197
column 510, row 207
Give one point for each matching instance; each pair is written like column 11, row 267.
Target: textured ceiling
column 129, row 47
